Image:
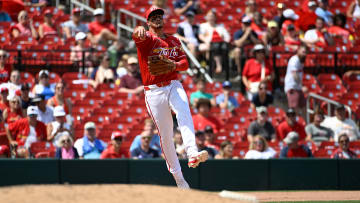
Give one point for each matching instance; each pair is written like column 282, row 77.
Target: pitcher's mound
column 106, row 194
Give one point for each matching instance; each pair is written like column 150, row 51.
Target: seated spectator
column 256, row 70
column 179, row 145
column 113, row 151
column 261, row 126
column 292, row 39
column 14, row 111
column 354, row 9
column 101, row 30
column 144, row 151
column 226, row 151
column 224, row 100
column 89, row 146
column 80, row 53
column 200, row 93
column 4, row 16
column 338, row 29
column 183, row 6
column 65, row 149
column 200, row 143
column 307, row 18
column 339, row 124
column 210, row 138
column 131, row 82
column 293, row 148
column 5, row 68
column 259, row 149
column 48, row 28
column 44, row 87
column 74, row 25
column 45, row 112
column 59, row 99
column 258, row 25
column 262, row 98
column 103, row 74
column 279, row 17
column 121, row 69
column 203, row 118
column 188, row 31
column 116, row 51
column 4, row 103
column 215, row 38
column 290, row 18
column 24, row 27
column 318, row 37
column 323, row 12
column 273, row 36
column 317, row 133
column 243, row 38
column 155, row 139
column 37, row 3
column 344, row 151
column 14, row 84
column 26, row 131
column 4, row 151
column 58, row 128
column 290, row 124
column 251, row 8
column 25, row 99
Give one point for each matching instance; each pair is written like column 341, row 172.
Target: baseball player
column 160, row 57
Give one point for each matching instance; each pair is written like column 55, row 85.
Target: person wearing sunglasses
column 25, row 99
column 58, row 128
column 65, row 149
column 13, row 112
column 291, row 124
column 344, row 151
column 259, row 149
column 24, row 28
column 145, row 151
column 263, row 97
column 114, row 150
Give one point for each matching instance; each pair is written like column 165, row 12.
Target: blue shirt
column 233, row 103
column 4, row 17
column 141, row 154
column 326, row 15
column 154, row 143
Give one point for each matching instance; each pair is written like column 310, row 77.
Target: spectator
column 4, row 151
column 261, row 126
column 262, row 98
column 163, row 4
column 354, row 9
column 48, row 28
column 200, row 143
column 59, row 99
column 26, row 131
column 210, row 138
column 290, row 18
column 273, row 36
column 290, row 124
column 257, row 70
column 216, row 39
column 80, row 53
column 292, row 39
column 200, row 93
column 101, row 30
column 37, row 3
column 338, row 29
column 13, row 112
column 121, row 69
column 293, row 148
column 226, row 151
column 243, row 38
column 4, row 103
column 25, row 98
column 24, row 27
column 225, row 100
column 4, row 16
column 323, row 12
column 5, row 68
column 144, row 151
column 251, row 8
column 279, row 17
column 131, row 82
column 183, row 6
column 317, row 133
column 74, row 26
column 259, row 149
column 66, row 149
column 179, row 145
column 103, row 74
column 14, row 84
column 116, row 51
column 318, row 37
column 293, row 80
column 203, row 118
column 89, row 146
column 45, row 112
column 339, row 124
column 188, row 31
column 44, row 87
column 155, row 139
column 114, row 151
column 58, row 128
column 307, row 18
column 258, row 25
column 344, row 151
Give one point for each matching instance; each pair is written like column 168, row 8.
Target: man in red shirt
column 114, row 150
column 4, row 103
column 164, row 92
column 293, row 148
column 203, row 118
column 290, row 124
column 100, row 29
column 307, row 18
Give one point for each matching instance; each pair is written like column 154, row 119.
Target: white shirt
column 47, row 116
column 356, row 12
column 294, row 65
column 31, row 138
column 56, row 126
column 347, row 126
column 207, row 30
column 254, row 154
column 11, row 87
column 80, row 143
column 311, row 35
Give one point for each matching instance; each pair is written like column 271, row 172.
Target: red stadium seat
column 328, row 78
column 41, row 147
column 69, row 76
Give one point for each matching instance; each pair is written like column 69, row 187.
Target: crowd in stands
column 99, row 112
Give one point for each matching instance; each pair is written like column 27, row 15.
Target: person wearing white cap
column 293, row 149
column 131, row 82
column 59, row 127
column 256, row 70
column 74, row 25
column 273, row 36
column 89, row 146
column 44, row 87
column 14, row 111
column 101, row 30
column 45, row 112
column 290, row 17
column 79, row 51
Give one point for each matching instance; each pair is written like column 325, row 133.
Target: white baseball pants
column 159, row 102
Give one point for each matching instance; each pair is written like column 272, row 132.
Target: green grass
column 342, row 201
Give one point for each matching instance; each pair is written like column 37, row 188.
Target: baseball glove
column 159, row 65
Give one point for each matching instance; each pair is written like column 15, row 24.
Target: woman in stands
column 58, row 128
column 259, row 149
column 66, row 149
column 226, row 151
column 24, row 27
column 104, row 74
column 48, row 28
column 273, row 36
column 292, row 39
column 59, row 100
column 13, row 112
column 344, row 151
column 354, row 10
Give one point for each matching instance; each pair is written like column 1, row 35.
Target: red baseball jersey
column 153, row 45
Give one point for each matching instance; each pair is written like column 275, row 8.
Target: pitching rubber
column 238, row 196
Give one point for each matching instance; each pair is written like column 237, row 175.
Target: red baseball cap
column 76, row 10
column 47, row 11
column 117, row 134
column 153, row 9
column 4, row 89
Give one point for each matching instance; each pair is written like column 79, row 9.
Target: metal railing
column 80, row 5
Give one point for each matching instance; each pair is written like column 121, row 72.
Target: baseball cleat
column 196, row 160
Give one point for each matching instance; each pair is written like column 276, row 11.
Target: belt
column 160, row 84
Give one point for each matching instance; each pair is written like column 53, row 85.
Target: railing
column 81, row 6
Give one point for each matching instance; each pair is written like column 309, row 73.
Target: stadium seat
column 41, row 146
column 69, row 76
column 328, row 78
column 28, row 78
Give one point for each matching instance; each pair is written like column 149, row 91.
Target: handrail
column 134, row 15
column 81, row 5
column 329, row 101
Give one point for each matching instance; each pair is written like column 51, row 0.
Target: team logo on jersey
column 167, row 51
